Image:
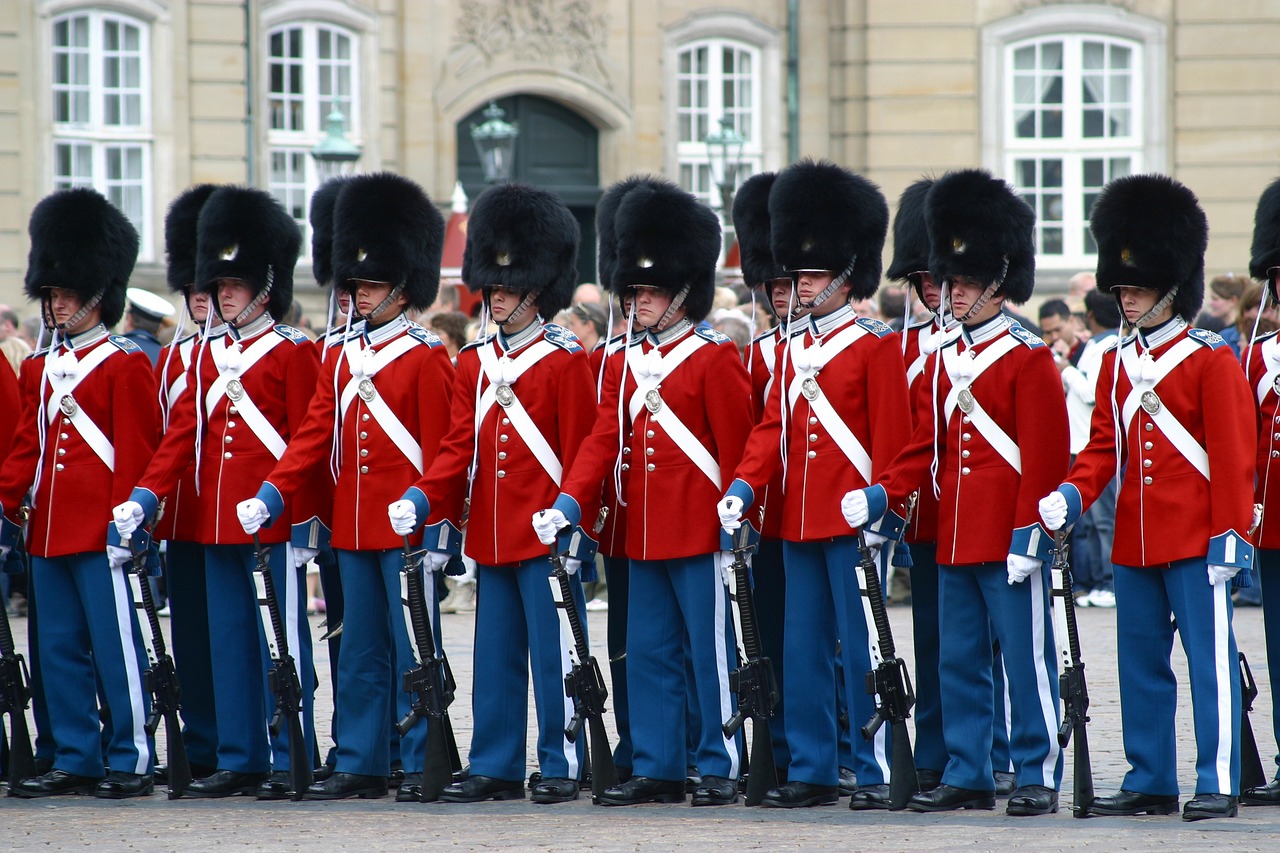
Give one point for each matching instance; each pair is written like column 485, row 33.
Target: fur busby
column 1151, row 232
column 244, row 233
column 668, row 238
column 1265, row 250
column 910, row 233
column 323, row 201
column 824, row 217
column 523, row 238
column 180, row 236
column 386, row 229
column 81, row 242
column 751, row 222
column 606, row 237
column 980, row 227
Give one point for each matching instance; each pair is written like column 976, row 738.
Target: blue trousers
column 1268, row 578
column 930, row 748
column 971, row 598
column 192, row 655
column 376, row 654
column 243, row 704
column 331, row 589
column 44, row 746
column 1145, row 600
column 88, row 635
column 824, row 605
column 770, row 587
column 518, row 630
column 618, row 571
column 674, row 601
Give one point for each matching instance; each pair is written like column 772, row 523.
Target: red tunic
column 924, row 519
column 181, row 515
column 613, row 533
column 1264, row 369
column 77, row 489
column 763, row 360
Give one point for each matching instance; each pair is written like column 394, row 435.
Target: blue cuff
column 1230, row 549
column 570, row 508
column 1031, row 541
column 442, row 537
column 270, row 495
column 890, row 525
column 740, row 489
column 138, row 536
column 877, row 502
column 148, row 499
column 1075, row 504
column 745, row 537
column 578, row 545
column 312, row 533
column 420, row 502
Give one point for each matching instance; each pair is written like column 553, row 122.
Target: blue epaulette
column 879, row 328
column 1212, row 340
column 1021, row 334
column 478, row 342
column 427, row 337
column 289, row 333
column 760, row 337
column 124, row 344
column 562, row 337
column 709, row 334
column 1262, row 338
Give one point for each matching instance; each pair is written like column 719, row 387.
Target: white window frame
column 97, row 139
column 1074, row 24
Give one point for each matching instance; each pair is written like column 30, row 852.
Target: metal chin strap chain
column 1154, row 311
column 665, row 319
column 372, row 316
column 827, row 291
column 982, row 300
column 75, row 318
column 515, row 315
column 253, row 303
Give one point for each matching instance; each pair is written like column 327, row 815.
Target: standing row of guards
column 943, row 448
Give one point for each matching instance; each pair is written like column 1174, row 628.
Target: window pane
column 1052, row 207
column 1093, row 173
column 1120, row 167
column 1024, row 58
column 1051, row 56
column 1051, row 127
column 1092, row 127
column 1120, row 56
column 1051, row 90
column 111, row 35
column 1094, row 54
column 1052, row 173
column 1051, row 241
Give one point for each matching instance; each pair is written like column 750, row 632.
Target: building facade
column 142, row 98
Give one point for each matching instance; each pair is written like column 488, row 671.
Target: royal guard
column 1263, row 364
column 522, row 403
column 178, row 524
column 89, row 425
column 838, row 410
column 675, row 412
column 384, row 393
column 996, row 432
column 246, row 396
column 1183, row 407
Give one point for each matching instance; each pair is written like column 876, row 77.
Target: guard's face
column 344, row 302
column 1136, row 301
column 651, row 304
column 369, row 295
column 503, row 301
column 812, row 282
column 199, row 303
column 964, row 293
column 234, row 296
column 782, row 295
column 63, row 303
column 930, row 290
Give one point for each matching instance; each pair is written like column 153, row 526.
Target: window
column 313, row 70
column 101, row 112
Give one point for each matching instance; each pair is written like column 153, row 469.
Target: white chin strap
column 262, row 297
column 828, row 291
column 1154, row 311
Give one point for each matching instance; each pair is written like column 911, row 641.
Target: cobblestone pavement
column 154, row 823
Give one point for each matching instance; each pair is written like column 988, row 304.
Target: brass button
column 364, row 451
column 227, row 455
column 62, row 451
column 648, row 433
column 64, row 436
column 648, row 451
column 965, row 436
column 1150, row 427
column 965, row 471
column 964, row 454
column 626, row 466
column 650, row 467
column 1275, row 454
column 66, row 421
column 231, row 424
column 364, row 469
column 501, row 474
column 58, row 467
column 1146, row 481
column 1146, row 463
column 965, row 419
column 365, row 416
column 232, row 409
column 1148, row 445
column 506, row 421
column 626, row 451
column 813, row 420
column 502, row 437
column 502, row 455
column 813, row 454
column 363, row 435
column 226, row 439
column 813, row 436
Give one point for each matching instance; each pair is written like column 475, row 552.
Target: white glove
column 1053, row 510
column 853, row 507
column 571, row 566
column 128, row 518
column 548, row 523
column 404, row 517
column 1257, row 516
column 435, row 560
column 301, row 556
column 252, row 514
column 1021, row 566
column 730, row 510
column 1221, row 574
column 117, row 556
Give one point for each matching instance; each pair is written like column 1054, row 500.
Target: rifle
column 890, row 683
column 430, row 683
column 1071, row 683
column 160, row 679
column 584, row 684
column 753, row 681
column 15, row 695
column 282, row 680
column 1251, row 772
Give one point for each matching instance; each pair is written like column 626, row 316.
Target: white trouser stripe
column 1008, row 714
column 566, row 666
column 1222, row 665
column 880, row 743
column 1048, row 708
column 124, row 611
column 722, row 668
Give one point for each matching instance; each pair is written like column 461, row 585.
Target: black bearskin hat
column 1151, row 232
column 81, row 242
column 910, row 233
column 825, row 217
column 1265, row 250
column 980, row 227
column 245, row 234
column 323, row 201
column 751, row 222
column 386, row 229
column 523, row 238
column 180, row 235
column 668, row 238
column 606, row 237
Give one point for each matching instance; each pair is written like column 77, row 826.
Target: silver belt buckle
column 235, row 390
column 653, row 401
column 1150, row 402
column 965, row 400
column 68, row 406
column 505, row 395
column 366, row 390
column 809, row 388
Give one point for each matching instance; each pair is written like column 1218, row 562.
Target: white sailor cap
column 149, row 304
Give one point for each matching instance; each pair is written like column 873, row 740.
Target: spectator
column 735, row 328
column 1059, row 331
column 15, row 349
column 144, row 313
column 451, row 326
column 587, row 320
column 1223, row 307
column 8, row 322
column 586, row 293
column 31, row 331
column 893, row 306
column 1249, row 303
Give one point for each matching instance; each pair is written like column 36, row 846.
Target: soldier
column 384, row 393
column 1182, row 405
column 247, row 394
column 1263, row 366
column 522, row 403
column 179, row 524
column 88, row 428
column 839, row 411
column 996, row 434
column 684, row 395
